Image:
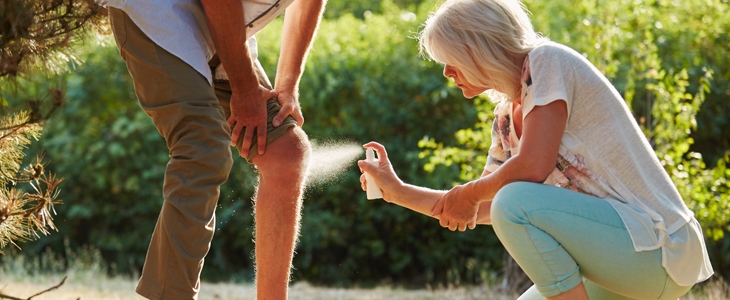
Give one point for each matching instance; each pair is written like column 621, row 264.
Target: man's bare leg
column 282, row 171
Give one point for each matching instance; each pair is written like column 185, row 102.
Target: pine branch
column 33, row 30
column 26, row 215
column 15, row 129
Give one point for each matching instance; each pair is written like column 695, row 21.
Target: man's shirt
column 181, row 27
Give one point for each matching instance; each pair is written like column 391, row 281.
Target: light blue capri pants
column 560, row 237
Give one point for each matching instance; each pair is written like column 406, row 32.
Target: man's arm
column 300, row 25
column 248, row 100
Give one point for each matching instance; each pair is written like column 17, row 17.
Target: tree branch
column 51, row 288
column 3, row 296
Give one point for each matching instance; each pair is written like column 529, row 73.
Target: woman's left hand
column 457, row 209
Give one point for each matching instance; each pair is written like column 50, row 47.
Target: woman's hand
column 458, row 208
column 383, row 173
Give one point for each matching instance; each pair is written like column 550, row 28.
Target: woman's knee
column 507, row 203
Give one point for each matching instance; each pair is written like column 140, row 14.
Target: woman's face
column 469, row 90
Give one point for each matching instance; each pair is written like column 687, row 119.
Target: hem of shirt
column 707, row 265
column 208, row 75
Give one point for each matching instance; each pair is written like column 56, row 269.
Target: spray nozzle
column 369, row 154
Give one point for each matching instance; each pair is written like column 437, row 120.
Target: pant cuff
column 147, row 293
column 561, row 286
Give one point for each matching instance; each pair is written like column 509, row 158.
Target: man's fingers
column 472, row 225
column 280, row 116
column 462, row 227
column 246, row 145
column 235, row 131
column 287, row 110
column 297, row 115
column 261, row 142
column 444, row 223
column 452, row 225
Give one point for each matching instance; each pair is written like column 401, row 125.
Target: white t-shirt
column 181, row 27
column 604, row 153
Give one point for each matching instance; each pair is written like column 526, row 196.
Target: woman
column 607, row 222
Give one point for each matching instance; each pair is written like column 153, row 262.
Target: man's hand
column 458, row 208
column 248, row 99
column 248, row 111
column 289, row 101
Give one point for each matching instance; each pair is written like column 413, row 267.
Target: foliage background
column 365, row 81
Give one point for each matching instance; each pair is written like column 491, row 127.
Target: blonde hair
column 483, row 38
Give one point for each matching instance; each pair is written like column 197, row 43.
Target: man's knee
column 288, row 154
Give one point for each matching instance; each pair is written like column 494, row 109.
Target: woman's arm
column 416, row 198
column 469, row 204
column 485, row 208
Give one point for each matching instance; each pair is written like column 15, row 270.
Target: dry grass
column 74, row 288
column 22, row 278
column 86, row 286
column 123, row 289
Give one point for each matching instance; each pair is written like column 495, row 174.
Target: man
column 173, row 50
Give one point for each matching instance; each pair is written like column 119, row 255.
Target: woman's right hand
column 383, row 173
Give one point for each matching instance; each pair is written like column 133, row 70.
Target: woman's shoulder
column 553, row 50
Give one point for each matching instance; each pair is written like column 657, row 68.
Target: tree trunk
column 514, row 280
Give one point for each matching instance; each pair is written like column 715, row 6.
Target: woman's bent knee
column 507, row 201
column 514, row 190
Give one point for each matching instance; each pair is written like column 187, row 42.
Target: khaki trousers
column 191, row 116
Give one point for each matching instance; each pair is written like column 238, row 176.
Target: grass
column 120, row 288
column 22, row 277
